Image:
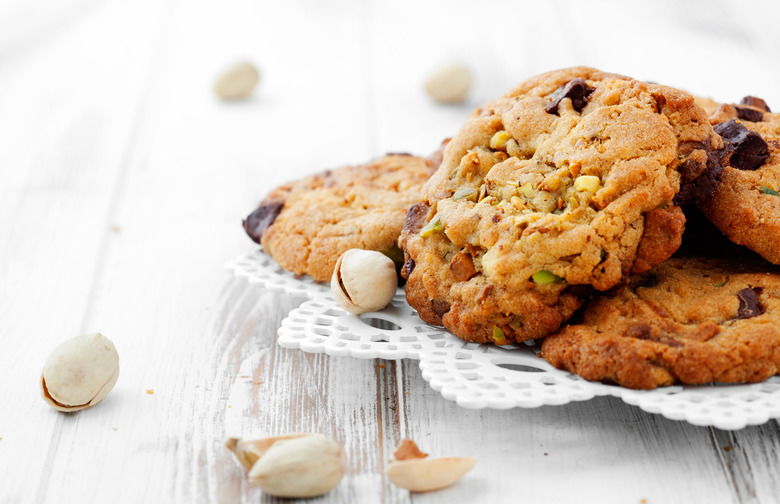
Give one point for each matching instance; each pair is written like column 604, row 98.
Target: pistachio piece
column 590, row 183
column 80, row 372
column 434, row 226
column 449, row 84
column 499, row 140
column 499, row 338
column 300, row 467
column 768, row 190
column 249, row 452
column 237, row 81
column 467, row 193
column 428, row 474
column 363, row 281
column 544, row 277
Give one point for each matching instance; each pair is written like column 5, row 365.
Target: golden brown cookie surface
column 688, row 320
column 544, row 194
column 306, row 225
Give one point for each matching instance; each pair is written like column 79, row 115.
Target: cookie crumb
column 150, row 391
column 382, row 366
column 727, row 448
column 408, row 449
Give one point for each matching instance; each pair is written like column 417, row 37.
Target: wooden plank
column 63, row 151
column 197, row 167
column 562, row 453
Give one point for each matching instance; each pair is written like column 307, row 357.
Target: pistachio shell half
column 428, row 474
column 80, row 372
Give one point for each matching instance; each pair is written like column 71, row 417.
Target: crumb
column 382, row 366
column 408, row 393
column 408, row 449
column 545, row 454
column 228, row 405
column 643, row 501
column 150, row 391
column 115, row 428
column 727, row 448
column 115, row 229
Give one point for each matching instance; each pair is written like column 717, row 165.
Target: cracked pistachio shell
column 428, row 474
column 248, row 452
column 363, row 281
column 306, row 466
column 80, row 372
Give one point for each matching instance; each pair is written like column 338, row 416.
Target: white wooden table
column 123, row 182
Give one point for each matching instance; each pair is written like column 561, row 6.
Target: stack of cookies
column 577, row 208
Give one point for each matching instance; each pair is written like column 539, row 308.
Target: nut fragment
column 590, row 183
column 363, row 281
column 449, row 84
column 414, row 471
column 237, row 81
column 299, row 467
column 80, row 372
column 408, row 449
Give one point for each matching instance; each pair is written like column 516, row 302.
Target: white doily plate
column 485, row 376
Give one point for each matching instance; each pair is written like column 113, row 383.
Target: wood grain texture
column 122, row 184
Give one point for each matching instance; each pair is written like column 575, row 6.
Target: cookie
column 746, row 205
column 306, row 225
column 567, row 183
column 690, row 320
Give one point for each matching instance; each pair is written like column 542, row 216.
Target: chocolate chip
column 752, row 101
column 748, row 149
column 749, row 114
column 578, row 90
column 698, row 181
column 409, row 265
column 749, row 306
column 260, row 219
column 439, row 307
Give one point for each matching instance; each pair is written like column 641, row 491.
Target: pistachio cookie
column 688, row 320
column 569, row 182
column 306, row 225
column 746, row 205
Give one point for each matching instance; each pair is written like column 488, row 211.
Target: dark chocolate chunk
column 748, row 149
column 260, row 219
column 749, row 306
column 409, row 265
column 439, row 307
column 577, row 89
column 749, row 114
column 699, row 181
column 752, row 101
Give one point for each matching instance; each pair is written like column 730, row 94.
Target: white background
column 123, row 181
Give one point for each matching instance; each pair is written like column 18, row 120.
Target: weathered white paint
column 123, row 182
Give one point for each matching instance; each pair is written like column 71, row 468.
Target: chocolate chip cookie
column 569, row 182
column 746, row 205
column 306, row 225
column 692, row 321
